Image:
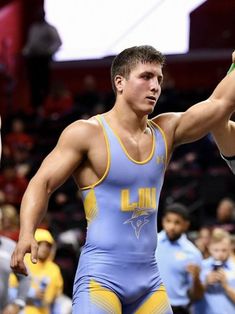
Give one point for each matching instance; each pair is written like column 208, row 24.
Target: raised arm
column 54, row 171
column 205, row 116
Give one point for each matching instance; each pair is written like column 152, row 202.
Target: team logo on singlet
column 160, row 159
column 141, row 209
column 138, row 219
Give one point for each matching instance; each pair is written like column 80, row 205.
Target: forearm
column 230, row 292
column 224, row 136
column 33, row 207
column 197, row 290
column 224, row 132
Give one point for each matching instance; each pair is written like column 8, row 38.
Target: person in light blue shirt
column 179, row 260
column 218, row 277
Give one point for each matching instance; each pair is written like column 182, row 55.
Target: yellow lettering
column 146, row 199
column 125, row 201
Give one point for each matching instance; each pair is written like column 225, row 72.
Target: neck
column 128, row 119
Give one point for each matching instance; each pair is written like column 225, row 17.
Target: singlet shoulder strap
column 160, row 130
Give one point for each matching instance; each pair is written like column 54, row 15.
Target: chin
column 146, row 111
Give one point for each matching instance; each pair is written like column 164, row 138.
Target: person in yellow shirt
column 47, row 281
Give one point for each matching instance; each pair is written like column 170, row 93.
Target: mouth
column 152, row 98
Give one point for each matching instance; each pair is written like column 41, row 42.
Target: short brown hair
column 126, row 60
column 219, row 234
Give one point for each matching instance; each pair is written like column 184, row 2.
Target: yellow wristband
column 232, row 67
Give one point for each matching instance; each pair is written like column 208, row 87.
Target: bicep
column 199, row 120
column 59, row 165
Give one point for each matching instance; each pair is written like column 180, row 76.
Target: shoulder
column 168, row 123
column 81, row 130
column 91, row 124
column 163, row 120
column 194, row 249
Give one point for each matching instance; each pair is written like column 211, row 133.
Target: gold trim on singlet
column 126, row 152
column 108, row 159
column 164, row 139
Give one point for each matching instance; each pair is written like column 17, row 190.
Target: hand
column 222, row 277
column 233, row 56
column 25, row 245
column 40, row 294
column 11, row 309
column 212, row 278
column 194, row 270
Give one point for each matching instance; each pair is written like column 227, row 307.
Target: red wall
column 10, row 47
column 212, row 25
column 11, row 34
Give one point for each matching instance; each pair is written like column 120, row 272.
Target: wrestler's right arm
column 71, row 148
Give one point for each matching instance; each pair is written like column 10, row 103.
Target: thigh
column 96, row 300
column 152, row 303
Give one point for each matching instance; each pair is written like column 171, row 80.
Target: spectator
column 58, row 103
column 9, row 222
column 87, row 100
column 202, row 241
column 18, row 138
column 42, row 43
column 225, row 215
column 17, row 303
column 46, row 282
column 179, row 260
column 12, row 185
column 218, row 277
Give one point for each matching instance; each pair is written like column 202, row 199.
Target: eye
column 160, row 80
column 146, row 76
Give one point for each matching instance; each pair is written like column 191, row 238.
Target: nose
column 171, row 226
column 155, row 86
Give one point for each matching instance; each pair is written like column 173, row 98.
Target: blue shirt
column 173, row 258
column 215, row 300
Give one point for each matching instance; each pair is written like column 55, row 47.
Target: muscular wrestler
column 118, row 161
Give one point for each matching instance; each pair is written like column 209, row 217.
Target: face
column 44, row 250
column 204, row 236
column 221, row 250
column 174, row 225
column 142, row 88
column 224, row 211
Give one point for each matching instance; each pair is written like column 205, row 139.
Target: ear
column 119, row 80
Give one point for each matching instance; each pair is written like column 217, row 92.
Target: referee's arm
column 224, row 134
